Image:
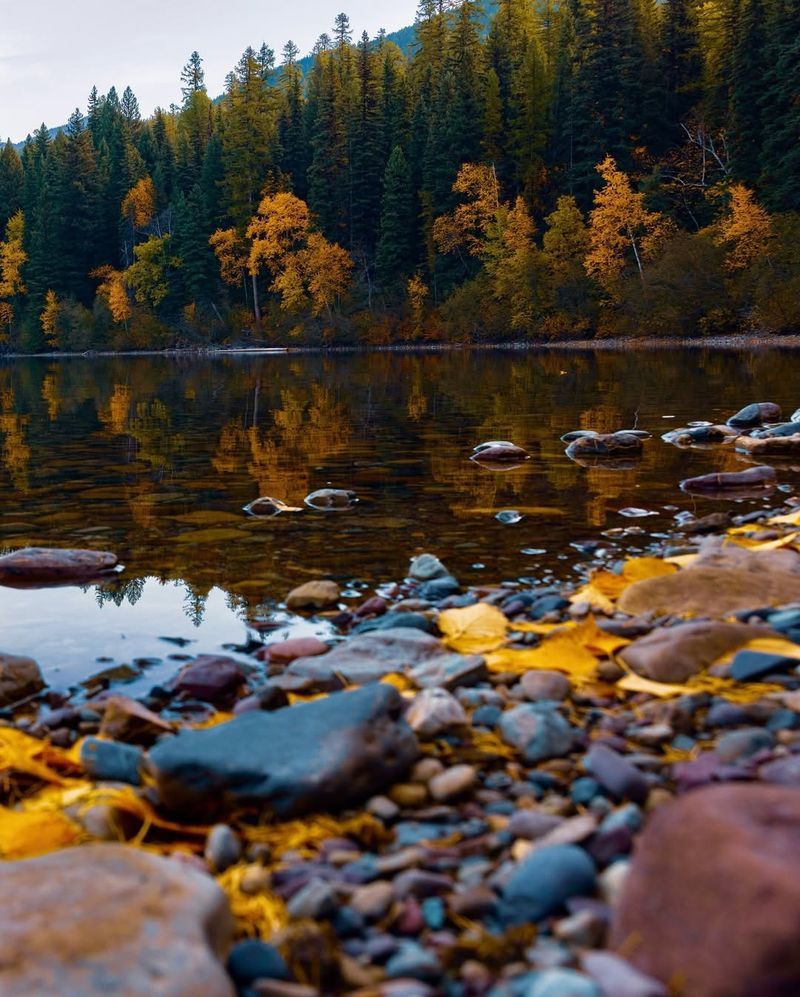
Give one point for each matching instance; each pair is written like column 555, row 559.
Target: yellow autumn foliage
column 605, row 587
column 473, row 629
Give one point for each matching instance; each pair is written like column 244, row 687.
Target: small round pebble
column 223, row 848
column 453, row 782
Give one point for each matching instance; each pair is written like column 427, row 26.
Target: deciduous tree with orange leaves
column 746, row 229
column 621, row 230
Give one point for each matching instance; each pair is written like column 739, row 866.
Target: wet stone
column 613, row 771
column 453, row 782
column 223, row 848
column 325, row 753
column 741, row 744
column 434, row 711
column 285, row 651
column 253, row 959
column 426, row 567
column 313, row 595
column 20, row 677
column 749, row 666
column 539, row 685
column 449, row 671
column 392, row 620
column 110, row 761
column 210, row 678
column 35, row 566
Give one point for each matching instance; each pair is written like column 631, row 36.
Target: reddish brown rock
column 775, row 446
column 674, row 654
column 212, row 678
column 105, row 919
column 712, row 902
column 731, row 481
column 723, row 580
column 285, row 651
column 31, row 567
column 125, row 719
column 19, row 678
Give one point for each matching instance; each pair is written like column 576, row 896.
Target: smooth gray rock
column 538, row 730
column 325, row 754
column 450, row 671
column 426, row 567
column 544, row 880
column 562, row 983
column 368, row 657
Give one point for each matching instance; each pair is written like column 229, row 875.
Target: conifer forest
column 527, row 171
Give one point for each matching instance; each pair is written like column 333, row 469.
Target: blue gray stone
column 563, row 983
column 741, row 744
column 327, row 753
column 111, row 761
column 544, row 880
column 537, row 730
column 256, row 960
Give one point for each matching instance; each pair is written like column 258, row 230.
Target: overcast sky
column 53, row 51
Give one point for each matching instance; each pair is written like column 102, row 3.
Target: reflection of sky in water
column 68, row 630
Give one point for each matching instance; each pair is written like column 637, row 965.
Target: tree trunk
column 256, row 306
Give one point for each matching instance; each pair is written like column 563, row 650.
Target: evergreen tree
column 11, row 183
column 395, row 253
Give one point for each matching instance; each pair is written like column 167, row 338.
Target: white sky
column 53, row 51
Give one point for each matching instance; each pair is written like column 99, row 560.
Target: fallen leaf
column 605, row 587
column 539, row 628
column 764, row 645
column 559, row 653
column 473, row 629
column 22, row 754
column 24, row 834
column 663, row 690
column 789, row 519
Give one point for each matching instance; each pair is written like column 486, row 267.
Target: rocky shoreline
column 514, row 790
column 502, row 791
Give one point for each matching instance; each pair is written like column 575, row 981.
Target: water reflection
column 154, row 458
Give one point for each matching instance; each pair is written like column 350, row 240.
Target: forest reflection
column 154, row 458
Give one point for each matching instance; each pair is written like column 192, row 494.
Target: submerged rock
column 771, row 446
column 42, row 566
column 103, row 919
column 606, row 445
column 711, row 898
column 699, row 434
column 331, row 499
column 265, row 507
column 327, row 753
column 731, row 481
column 319, row 594
column 499, row 452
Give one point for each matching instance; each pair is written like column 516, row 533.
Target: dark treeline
column 555, row 169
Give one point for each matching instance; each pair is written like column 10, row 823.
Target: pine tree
column 395, row 252
column 193, row 78
column 11, row 182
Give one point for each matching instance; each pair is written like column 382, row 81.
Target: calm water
column 154, row 458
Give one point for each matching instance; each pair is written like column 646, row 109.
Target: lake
column 154, row 457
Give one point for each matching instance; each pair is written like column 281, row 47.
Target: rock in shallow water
column 324, row 754
column 712, row 898
column 104, row 919
column 313, row 595
column 20, row 677
column 34, row 566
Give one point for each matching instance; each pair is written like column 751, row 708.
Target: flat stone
column 313, row 595
column 327, row 753
column 675, row 654
column 127, row 720
column 373, row 900
column 770, row 446
column 285, row 651
column 544, row 880
column 392, row 619
column 433, row 712
column 711, row 898
column 741, row 744
column 315, row 900
column 532, row 824
column 539, row 685
column 20, row 677
column 368, row 657
column 616, row 774
column 31, row 567
column 103, row 919
column 537, row 730
column 719, row 583
column 747, row 666
column 449, row 671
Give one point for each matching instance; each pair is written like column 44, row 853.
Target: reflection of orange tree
column 306, row 430
column 51, row 394
column 16, row 452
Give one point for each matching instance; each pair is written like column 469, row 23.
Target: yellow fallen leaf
column 24, row 834
column 594, row 597
column 605, row 587
column 22, row 754
column 777, row 544
column 559, row 653
column 789, row 519
column 539, row 628
column 681, row 560
column 473, row 629
column 400, row 682
column 664, row 690
column 596, row 640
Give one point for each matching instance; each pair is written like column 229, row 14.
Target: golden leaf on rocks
column 25, row 755
column 24, row 834
column 539, row 628
column 559, row 653
column 790, row 519
column 764, row 645
column 789, row 540
column 605, row 587
column 258, row 915
column 473, row 629
column 663, row 690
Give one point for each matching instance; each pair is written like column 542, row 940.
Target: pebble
column 611, row 881
column 223, row 848
column 316, row 899
column 585, row 929
column 408, row 794
column 539, row 685
column 382, row 807
column 538, row 730
column 313, row 595
column 414, row 961
column 532, row 824
column 426, row 567
column 741, row 744
column 543, row 881
column 617, row 978
column 453, row 782
column 434, row 711
column 373, row 900
column 613, row 771
column 562, row 983
column 252, row 959
column 425, row 769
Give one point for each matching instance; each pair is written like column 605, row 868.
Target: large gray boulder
column 325, row 754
